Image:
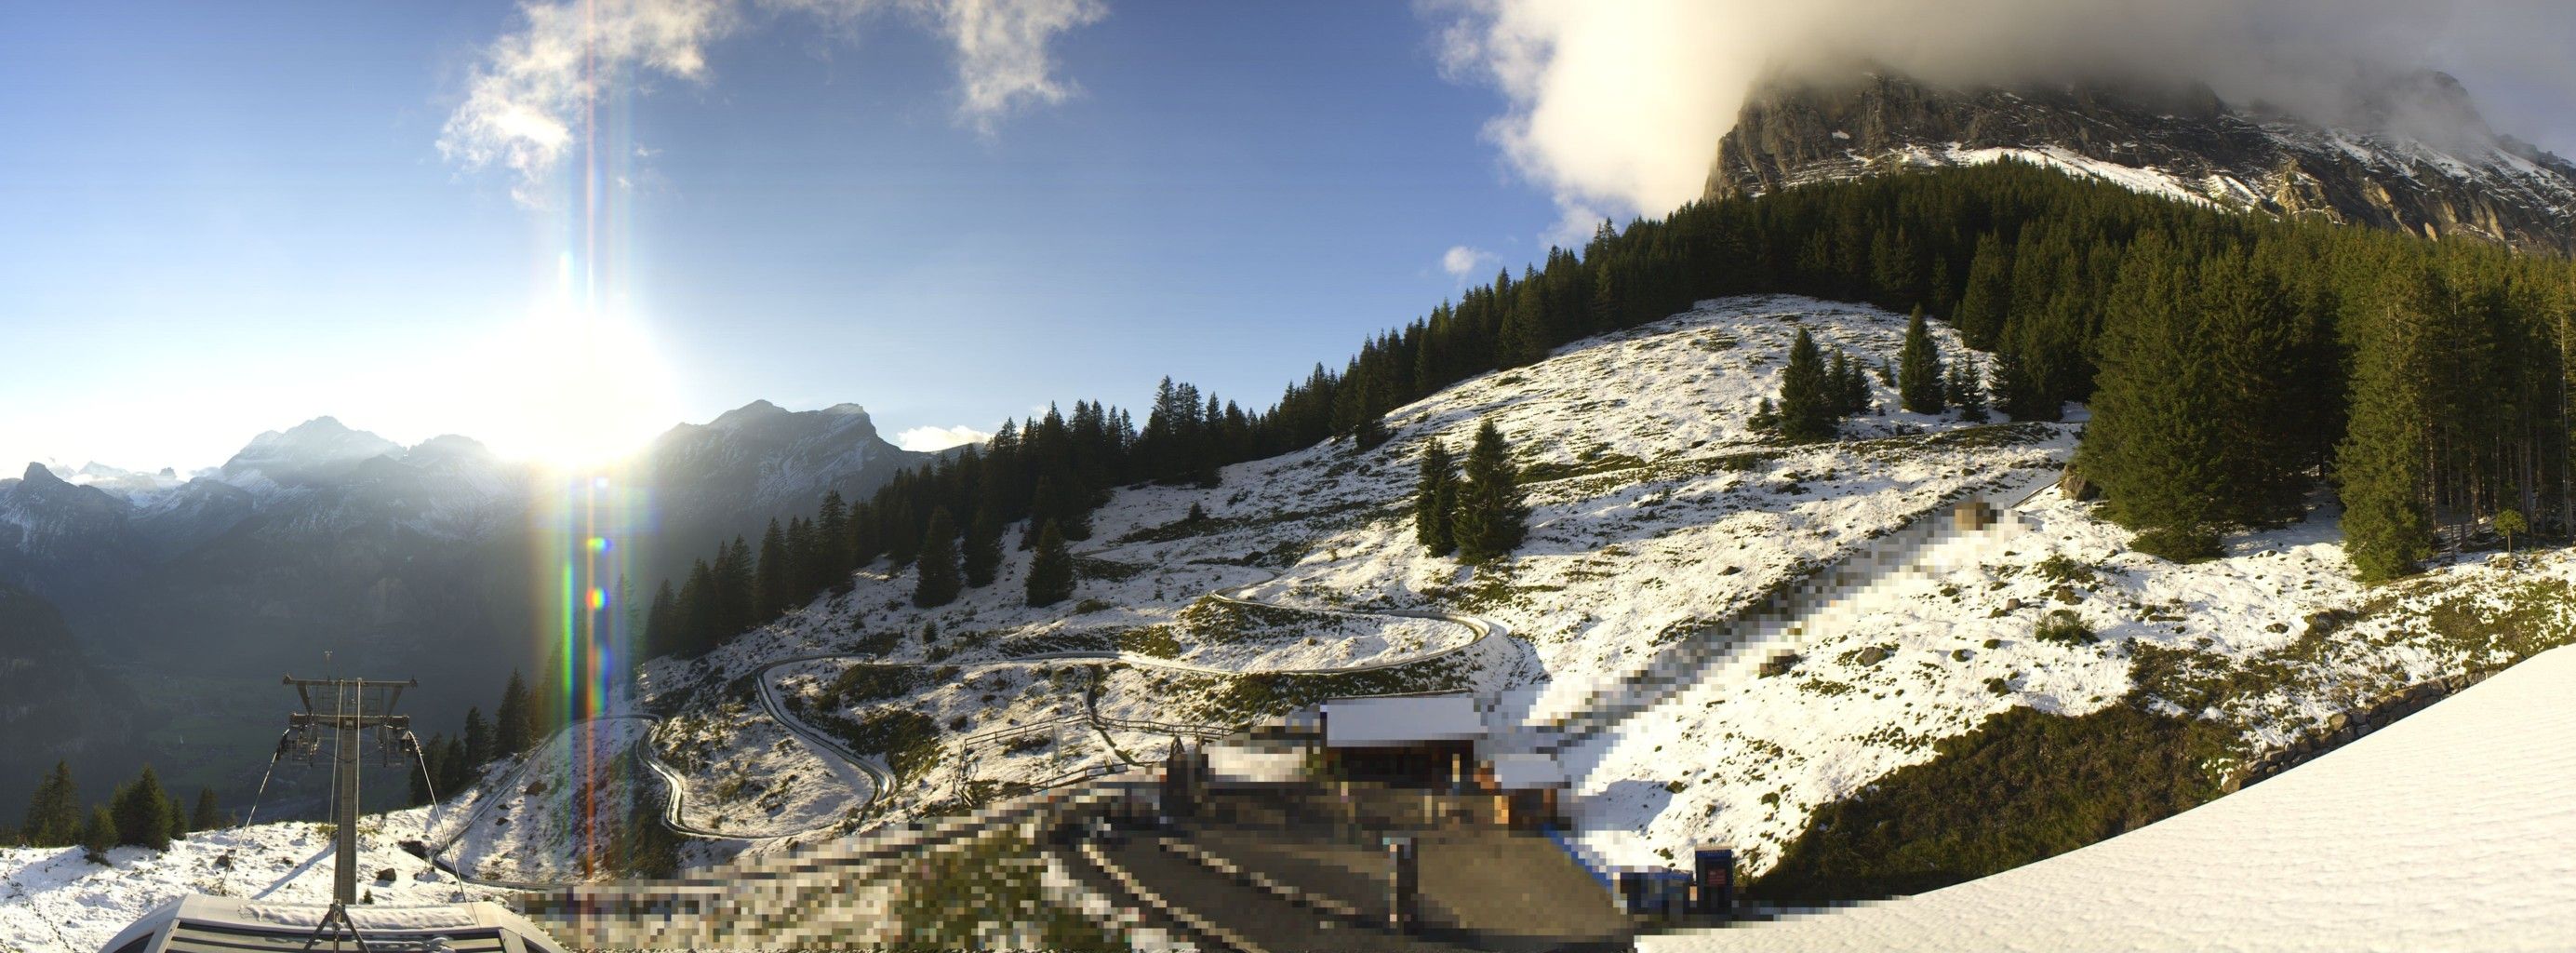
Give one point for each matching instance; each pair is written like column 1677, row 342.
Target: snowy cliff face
column 2460, row 180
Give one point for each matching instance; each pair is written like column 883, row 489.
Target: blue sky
column 230, row 218
column 217, row 219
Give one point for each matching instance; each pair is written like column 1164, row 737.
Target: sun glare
column 573, row 387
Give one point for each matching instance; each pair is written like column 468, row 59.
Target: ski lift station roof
column 1396, row 720
column 203, row 924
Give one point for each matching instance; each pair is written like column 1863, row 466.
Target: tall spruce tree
column 1919, row 382
column 455, row 770
column 1051, row 570
column 2155, row 443
column 142, row 812
column 98, row 834
column 54, row 814
column 982, row 556
column 938, row 581
column 832, row 539
column 773, row 582
column 1490, row 519
column 477, row 741
column 2387, row 518
column 1967, row 390
column 209, row 813
column 511, row 735
column 1806, row 393
column 1434, row 492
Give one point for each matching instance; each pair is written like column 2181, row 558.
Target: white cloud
column 1462, row 262
column 1617, row 107
column 524, row 100
column 939, row 438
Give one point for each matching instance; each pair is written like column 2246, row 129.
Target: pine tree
column 1806, row 397
column 1433, row 494
column 2387, row 519
column 1851, row 384
column 1490, row 519
column 477, row 743
column 455, row 770
column 1987, row 300
column 142, row 812
column 1051, row 570
column 1766, row 418
column 178, row 818
column 2509, row 521
column 1045, row 509
column 938, row 581
column 772, row 583
column 98, row 835
column 1919, row 382
column 867, row 539
column 53, row 815
column 662, row 621
column 511, row 734
column 2155, row 443
column 982, row 556
column 209, row 814
column 832, row 539
column 2024, row 397
column 1526, row 335
column 1967, row 392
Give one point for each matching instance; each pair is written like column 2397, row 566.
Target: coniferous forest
column 2233, row 364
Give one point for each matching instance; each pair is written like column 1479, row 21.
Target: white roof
column 1513, row 772
column 1373, row 722
column 2447, row 830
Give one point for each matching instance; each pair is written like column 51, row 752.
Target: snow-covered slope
column 1662, row 529
column 53, row 900
column 2446, row 831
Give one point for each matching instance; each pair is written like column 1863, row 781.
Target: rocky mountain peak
column 756, row 412
column 39, row 475
column 319, row 443
column 2415, row 155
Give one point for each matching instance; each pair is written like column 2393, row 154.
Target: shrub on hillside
column 2064, row 627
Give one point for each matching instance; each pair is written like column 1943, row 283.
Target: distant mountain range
column 407, row 561
column 2414, row 154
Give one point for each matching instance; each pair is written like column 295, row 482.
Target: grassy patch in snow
column 2023, row 786
column 908, row 740
column 1243, row 699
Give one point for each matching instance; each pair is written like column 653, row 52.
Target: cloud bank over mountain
column 1616, row 109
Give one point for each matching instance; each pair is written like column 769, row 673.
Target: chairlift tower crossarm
column 345, row 707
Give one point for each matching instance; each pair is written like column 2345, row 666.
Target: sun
column 572, row 388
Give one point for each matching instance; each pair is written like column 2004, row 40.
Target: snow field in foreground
column 52, row 900
column 2448, row 830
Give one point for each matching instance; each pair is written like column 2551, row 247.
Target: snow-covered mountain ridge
column 2423, row 161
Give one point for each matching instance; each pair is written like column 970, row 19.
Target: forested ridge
column 2232, row 362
